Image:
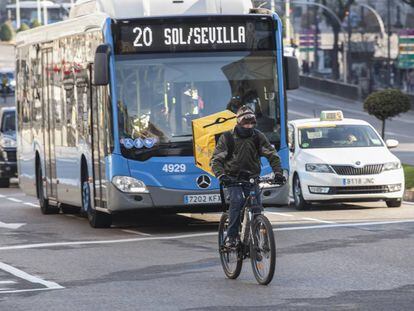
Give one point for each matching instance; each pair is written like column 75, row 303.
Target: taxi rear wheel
column 394, row 203
column 300, row 202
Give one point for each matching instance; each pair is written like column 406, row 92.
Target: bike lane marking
column 47, row 285
column 319, row 220
column 136, row 232
column 194, row 235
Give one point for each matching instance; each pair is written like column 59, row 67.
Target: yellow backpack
column 206, row 132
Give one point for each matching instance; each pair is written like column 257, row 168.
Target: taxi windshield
column 339, row 136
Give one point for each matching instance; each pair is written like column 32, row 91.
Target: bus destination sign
column 182, row 35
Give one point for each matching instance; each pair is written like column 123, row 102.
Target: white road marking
column 186, row 236
column 11, row 226
column 280, row 214
column 31, row 204
column 8, row 282
column 319, row 220
column 2, row 196
column 30, row 278
column 305, row 115
column 349, row 225
column 409, row 203
column 14, row 200
column 137, row 232
column 303, row 99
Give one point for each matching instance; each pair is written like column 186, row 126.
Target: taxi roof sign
column 332, row 115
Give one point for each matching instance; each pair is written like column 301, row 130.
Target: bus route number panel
column 201, row 34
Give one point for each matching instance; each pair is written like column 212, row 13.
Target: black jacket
column 246, row 155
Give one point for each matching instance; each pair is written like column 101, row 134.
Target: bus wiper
column 185, row 135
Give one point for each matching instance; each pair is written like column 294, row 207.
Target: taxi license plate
column 358, row 181
column 202, row 199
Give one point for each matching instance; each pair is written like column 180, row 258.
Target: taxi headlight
column 391, row 166
column 318, row 168
column 129, row 184
column 7, row 142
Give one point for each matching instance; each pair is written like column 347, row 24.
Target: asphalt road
column 305, row 103
column 337, row 257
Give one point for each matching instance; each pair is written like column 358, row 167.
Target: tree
column 36, row 23
column 387, row 104
column 6, row 32
column 23, row 27
column 341, row 9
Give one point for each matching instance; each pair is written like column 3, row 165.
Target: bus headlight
column 129, row 184
column 7, row 142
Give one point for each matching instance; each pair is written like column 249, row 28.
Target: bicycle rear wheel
column 231, row 260
column 263, row 250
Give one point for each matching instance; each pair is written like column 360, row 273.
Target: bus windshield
column 160, row 94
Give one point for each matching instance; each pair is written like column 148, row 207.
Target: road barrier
column 341, row 89
column 344, row 90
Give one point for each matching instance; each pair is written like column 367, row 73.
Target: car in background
column 8, row 166
column 7, row 81
column 334, row 159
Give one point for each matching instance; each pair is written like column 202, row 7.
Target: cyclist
column 237, row 152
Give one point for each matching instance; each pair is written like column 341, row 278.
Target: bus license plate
column 202, row 199
column 358, row 181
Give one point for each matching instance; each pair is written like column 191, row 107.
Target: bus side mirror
column 291, row 66
column 101, row 66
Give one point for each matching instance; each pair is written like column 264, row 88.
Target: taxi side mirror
column 291, row 147
column 391, row 143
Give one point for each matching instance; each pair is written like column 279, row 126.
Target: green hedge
column 409, row 176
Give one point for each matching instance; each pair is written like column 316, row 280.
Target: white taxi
column 334, row 159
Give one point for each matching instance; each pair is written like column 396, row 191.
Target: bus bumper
column 160, row 198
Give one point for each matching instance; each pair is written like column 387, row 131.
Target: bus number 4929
column 174, row 168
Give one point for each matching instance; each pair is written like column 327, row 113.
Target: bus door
column 49, row 124
column 98, row 139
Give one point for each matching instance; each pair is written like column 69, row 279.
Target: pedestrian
column 411, row 82
column 4, row 86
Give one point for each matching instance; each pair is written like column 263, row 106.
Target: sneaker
column 230, row 242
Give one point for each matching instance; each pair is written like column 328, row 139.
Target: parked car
column 342, row 160
column 8, row 167
column 7, row 81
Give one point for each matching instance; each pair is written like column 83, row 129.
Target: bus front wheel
column 96, row 218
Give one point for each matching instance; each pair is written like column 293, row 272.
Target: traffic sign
column 406, row 49
column 307, row 40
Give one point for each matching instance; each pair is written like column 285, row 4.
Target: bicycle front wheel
column 263, row 250
column 231, row 260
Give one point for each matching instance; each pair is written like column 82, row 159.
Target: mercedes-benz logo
column 203, row 181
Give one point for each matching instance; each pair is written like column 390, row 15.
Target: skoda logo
column 203, row 181
column 358, row 163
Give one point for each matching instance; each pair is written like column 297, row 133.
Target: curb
column 409, row 195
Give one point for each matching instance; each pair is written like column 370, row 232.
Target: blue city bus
column 105, row 102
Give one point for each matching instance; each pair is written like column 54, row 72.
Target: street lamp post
column 39, row 12
column 18, row 23
column 45, row 12
column 389, row 43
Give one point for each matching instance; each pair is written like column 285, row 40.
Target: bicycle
column 257, row 239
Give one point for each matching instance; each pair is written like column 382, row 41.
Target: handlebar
column 253, row 181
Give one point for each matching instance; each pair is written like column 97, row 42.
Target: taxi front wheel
column 300, row 202
column 394, row 203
